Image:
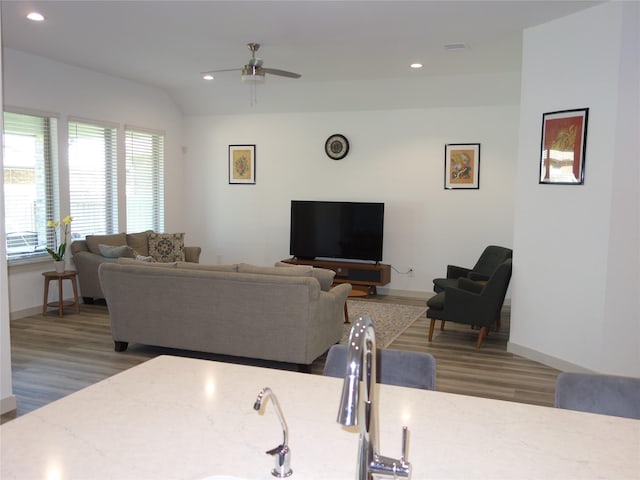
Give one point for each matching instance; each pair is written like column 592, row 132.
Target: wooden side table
column 61, row 303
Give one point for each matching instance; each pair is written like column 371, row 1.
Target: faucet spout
column 357, row 405
column 282, row 452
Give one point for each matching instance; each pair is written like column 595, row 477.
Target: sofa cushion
column 139, row 242
column 115, row 240
column 166, row 247
column 144, row 263
column 324, row 275
column 110, row 251
column 292, row 271
column 209, row 268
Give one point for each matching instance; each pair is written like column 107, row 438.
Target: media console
column 362, row 276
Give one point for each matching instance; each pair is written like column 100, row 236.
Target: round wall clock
column 336, row 146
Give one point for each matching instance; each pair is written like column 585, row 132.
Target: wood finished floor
column 53, row 357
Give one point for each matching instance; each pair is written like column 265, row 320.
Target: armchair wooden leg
column 498, row 323
column 433, row 324
column 483, row 332
column 441, row 325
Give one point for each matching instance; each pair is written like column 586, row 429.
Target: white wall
column 396, row 156
column 32, row 82
column 575, row 283
column 7, row 399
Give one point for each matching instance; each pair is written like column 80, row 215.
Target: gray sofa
column 88, row 256
column 273, row 313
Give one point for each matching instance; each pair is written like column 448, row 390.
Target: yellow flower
column 53, row 224
column 67, row 220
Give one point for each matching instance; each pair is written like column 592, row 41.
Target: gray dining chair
column 596, row 393
column 394, row 367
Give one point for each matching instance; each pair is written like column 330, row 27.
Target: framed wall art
column 242, row 164
column 462, row 166
column 564, row 140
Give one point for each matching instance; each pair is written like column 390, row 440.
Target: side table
column 61, row 303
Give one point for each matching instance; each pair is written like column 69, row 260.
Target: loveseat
column 94, row 250
column 285, row 314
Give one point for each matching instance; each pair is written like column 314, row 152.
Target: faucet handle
column 283, row 461
column 405, row 451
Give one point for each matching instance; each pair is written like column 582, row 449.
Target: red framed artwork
column 563, row 145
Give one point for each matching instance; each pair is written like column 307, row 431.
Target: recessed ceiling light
column 207, row 76
column 416, row 65
column 35, row 16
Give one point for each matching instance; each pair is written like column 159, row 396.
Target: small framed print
column 462, row 166
column 242, row 164
column 564, row 141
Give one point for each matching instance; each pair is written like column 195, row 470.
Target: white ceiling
column 168, row 43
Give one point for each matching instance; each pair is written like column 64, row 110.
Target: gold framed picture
column 462, row 166
column 242, row 164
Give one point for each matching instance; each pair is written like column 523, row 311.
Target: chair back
column 496, row 288
column 491, row 258
column 394, row 367
column 595, row 393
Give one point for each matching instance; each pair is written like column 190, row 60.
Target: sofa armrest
column 87, row 264
column 340, row 293
column 79, row 246
column 192, row 254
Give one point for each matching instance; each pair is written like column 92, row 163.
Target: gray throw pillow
column 110, row 251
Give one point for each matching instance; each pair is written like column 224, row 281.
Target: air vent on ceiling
column 456, row 46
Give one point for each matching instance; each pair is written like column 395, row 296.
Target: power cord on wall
column 409, row 272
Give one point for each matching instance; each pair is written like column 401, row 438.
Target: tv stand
column 362, row 276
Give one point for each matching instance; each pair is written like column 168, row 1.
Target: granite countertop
column 184, row 418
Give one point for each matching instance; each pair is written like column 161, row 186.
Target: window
column 30, row 183
column 145, row 180
column 93, row 196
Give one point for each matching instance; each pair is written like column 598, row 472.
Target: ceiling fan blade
column 282, row 73
column 223, row 70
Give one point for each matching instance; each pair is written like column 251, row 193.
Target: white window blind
column 30, row 183
column 92, row 179
column 144, row 153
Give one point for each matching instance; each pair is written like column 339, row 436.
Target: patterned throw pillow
column 166, row 247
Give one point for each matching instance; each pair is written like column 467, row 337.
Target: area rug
column 390, row 319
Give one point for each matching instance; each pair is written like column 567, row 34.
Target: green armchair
column 473, row 303
column 491, row 257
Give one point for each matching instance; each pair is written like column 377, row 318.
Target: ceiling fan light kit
column 253, row 71
column 252, row 74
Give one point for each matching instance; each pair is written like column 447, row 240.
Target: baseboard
column 420, row 294
column 404, row 293
column 8, row 404
column 545, row 359
column 27, row 312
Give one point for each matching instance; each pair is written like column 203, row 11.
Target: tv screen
column 348, row 230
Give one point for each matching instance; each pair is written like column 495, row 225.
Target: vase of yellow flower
column 58, row 254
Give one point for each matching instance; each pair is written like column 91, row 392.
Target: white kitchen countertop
column 182, row 418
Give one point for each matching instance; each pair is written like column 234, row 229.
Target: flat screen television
column 344, row 230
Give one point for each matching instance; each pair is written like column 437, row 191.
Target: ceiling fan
column 253, row 71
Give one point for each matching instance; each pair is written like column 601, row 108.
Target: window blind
column 144, row 152
column 30, row 183
column 92, row 178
